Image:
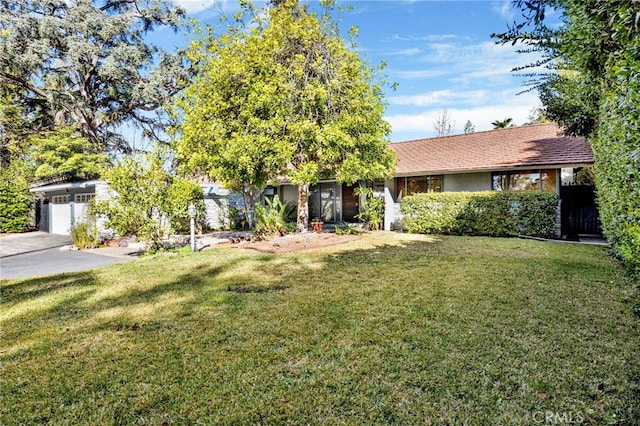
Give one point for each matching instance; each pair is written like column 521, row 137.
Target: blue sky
column 439, row 53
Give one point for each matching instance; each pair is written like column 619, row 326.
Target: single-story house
column 530, row 158
column 61, row 205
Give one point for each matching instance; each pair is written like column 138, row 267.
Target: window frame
column 506, row 179
column 433, row 183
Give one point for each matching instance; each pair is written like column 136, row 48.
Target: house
column 531, row 158
column 527, row 158
column 60, row 205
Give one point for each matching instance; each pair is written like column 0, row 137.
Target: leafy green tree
column 16, row 201
column 289, row 97
column 64, row 153
column 87, row 63
column 502, row 124
column 147, row 200
column 592, row 90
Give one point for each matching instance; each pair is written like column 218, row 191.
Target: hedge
column 492, row 213
column 16, row 201
column 616, row 150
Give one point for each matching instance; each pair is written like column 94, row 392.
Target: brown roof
column 525, row 146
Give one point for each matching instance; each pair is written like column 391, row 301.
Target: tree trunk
column 303, row 207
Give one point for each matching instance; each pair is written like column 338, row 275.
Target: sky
column 440, row 54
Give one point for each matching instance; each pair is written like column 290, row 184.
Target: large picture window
column 415, row 184
column 525, row 180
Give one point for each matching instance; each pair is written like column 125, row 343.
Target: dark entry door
column 350, row 204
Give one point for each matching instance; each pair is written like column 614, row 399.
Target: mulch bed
column 296, row 242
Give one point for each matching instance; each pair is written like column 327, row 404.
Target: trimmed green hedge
column 16, row 201
column 492, row 213
column 616, row 150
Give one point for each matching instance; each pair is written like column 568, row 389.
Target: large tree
column 592, row 89
column 87, row 63
column 287, row 98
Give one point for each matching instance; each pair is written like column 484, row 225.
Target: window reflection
column 525, row 180
column 417, row 184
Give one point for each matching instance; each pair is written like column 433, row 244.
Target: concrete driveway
column 38, row 253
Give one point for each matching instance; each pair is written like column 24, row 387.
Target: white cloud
column 441, row 97
column 418, row 74
column 504, row 9
column 503, row 105
column 406, row 52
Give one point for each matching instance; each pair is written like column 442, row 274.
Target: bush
column 15, row 201
column 616, row 150
column 490, row 213
column 372, row 208
column 147, row 200
column 271, row 218
column 85, row 235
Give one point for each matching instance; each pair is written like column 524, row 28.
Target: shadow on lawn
column 405, row 307
column 98, row 298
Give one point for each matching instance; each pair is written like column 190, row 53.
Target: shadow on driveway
column 38, row 253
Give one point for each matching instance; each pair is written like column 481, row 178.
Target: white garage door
column 60, row 215
column 81, row 207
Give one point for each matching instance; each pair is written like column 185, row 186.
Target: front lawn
column 391, row 328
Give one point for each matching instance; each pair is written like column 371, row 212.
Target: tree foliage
column 147, row 200
column 16, row 201
column 64, row 153
column 469, row 127
column 592, row 90
column 86, row 63
column 288, row 98
column 502, row 124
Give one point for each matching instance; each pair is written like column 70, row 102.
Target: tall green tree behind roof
column 289, row 97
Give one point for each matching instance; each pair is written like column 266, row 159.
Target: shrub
column 372, row 208
column 490, row 213
column 147, row 200
column 271, row 218
column 616, row 150
column 85, row 235
column 346, row 229
column 15, row 201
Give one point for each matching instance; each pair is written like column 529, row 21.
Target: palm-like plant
column 503, row 124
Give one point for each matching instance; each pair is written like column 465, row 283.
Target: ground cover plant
column 391, row 328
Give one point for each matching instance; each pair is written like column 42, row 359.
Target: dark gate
column 579, row 210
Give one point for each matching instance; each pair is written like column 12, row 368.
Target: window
column 84, row 198
column 60, row 199
column 415, row 184
column 525, row 180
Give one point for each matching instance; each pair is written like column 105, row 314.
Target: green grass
column 391, row 328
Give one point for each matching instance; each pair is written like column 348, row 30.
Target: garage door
column 60, row 216
column 81, row 207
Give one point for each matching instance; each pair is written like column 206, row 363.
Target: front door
column 350, row 204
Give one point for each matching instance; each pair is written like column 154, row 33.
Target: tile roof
column 524, row 146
